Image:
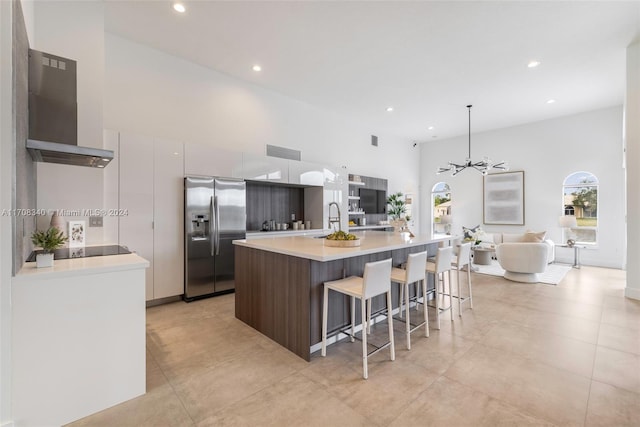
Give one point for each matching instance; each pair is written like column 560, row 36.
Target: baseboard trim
column 633, row 293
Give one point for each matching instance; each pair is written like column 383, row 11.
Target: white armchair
column 522, row 261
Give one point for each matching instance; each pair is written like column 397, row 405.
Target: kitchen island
column 78, row 337
column 279, row 282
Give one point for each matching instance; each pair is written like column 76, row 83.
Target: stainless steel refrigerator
column 215, row 215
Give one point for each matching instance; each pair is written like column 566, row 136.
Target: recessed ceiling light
column 551, row 101
column 179, row 7
column 389, row 109
column 533, row 64
column 430, row 128
column 256, row 68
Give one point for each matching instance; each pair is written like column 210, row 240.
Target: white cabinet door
column 111, row 190
column 305, row 173
column 136, row 199
column 168, row 237
column 264, row 168
column 210, row 161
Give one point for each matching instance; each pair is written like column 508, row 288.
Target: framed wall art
column 76, row 234
column 504, row 198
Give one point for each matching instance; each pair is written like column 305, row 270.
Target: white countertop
column 368, row 227
column 82, row 266
column 288, row 232
column 313, row 248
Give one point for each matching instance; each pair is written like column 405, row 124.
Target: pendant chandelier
column 483, row 166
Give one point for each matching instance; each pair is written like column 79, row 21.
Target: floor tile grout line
column 172, row 388
column 508, row 404
column 593, row 368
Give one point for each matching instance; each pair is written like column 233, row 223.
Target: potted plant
column 48, row 241
column 397, row 208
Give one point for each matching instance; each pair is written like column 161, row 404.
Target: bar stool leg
column 390, row 324
column 426, row 313
column 469, row 285
column 459, row 292
column 353, row 318
column 407, row 323
column 436, row 277
column 401, row 300
column 363, row 307
column 450, row 293
column 369, row 316
column 325, row 311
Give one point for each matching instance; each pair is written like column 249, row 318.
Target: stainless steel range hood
column 53, row 114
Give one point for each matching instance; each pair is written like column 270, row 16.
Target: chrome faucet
column 335, row 219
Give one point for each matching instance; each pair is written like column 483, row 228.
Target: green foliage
column 397, row 205
column 341, row 235
column 48, row 240
column 587, row 222
column 587, row 198
column 438, row 200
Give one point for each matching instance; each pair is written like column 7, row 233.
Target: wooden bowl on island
column 340, row 239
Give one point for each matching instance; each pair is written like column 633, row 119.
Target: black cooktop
column 83, row 252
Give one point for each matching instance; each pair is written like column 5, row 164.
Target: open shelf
column 354, row 197
column 356, row 183
column 356, row 213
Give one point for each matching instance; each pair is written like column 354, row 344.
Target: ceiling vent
column 283, row 153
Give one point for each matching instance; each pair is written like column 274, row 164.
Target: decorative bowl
column 342, row 243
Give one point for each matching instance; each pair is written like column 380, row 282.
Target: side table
column 576, row 254
column 482, row 256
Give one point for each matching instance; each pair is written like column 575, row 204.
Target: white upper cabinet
column 210, row 161
column 305, row 173
column 136, row 199
column 264, row 168
column 168, row 202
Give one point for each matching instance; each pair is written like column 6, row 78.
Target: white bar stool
column 441, row 265
column 415, row 273
column 376, row 281
column 459, row 261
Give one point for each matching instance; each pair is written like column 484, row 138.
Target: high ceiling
column 425, row 59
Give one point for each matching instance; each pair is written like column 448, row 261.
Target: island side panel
column 272, row 296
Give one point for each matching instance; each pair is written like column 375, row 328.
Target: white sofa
column 522, row 261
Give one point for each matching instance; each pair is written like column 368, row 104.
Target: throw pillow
column 470, row 233
column 531, row 236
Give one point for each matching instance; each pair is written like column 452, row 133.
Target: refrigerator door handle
column 217, row 208
column 211, row 225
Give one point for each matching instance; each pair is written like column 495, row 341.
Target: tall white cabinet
column 150, row 188
column 168, row 208
column 135, row 185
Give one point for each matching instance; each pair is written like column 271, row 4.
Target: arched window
column 580, row 199
column 441, row 208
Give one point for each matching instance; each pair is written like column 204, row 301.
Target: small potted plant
column 397, row 208
column 48, row 241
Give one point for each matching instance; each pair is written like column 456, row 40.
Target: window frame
column 566, row 208
column 445, row 191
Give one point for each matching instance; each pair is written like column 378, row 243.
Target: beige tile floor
column 526, row 355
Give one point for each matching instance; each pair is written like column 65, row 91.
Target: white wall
column 153, row 93
column 632, row 141
column 547, row 151
column 75, row 30
column 6, row 177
